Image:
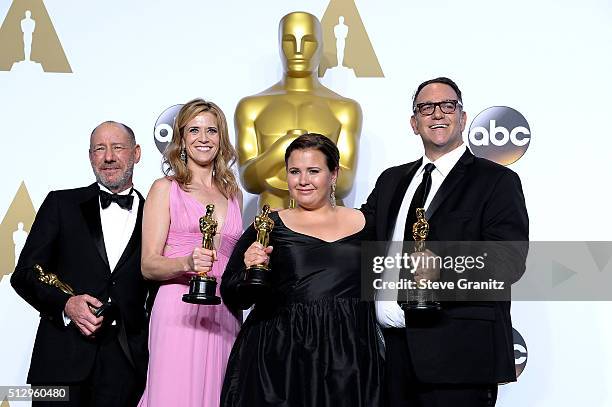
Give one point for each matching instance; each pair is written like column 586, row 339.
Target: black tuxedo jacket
column 470, row 342
column 66, row 239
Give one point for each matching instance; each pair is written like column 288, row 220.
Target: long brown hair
column 223, row 176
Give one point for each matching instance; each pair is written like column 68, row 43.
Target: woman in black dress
column 310, row 342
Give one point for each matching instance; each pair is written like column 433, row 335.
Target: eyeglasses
column 446, row 106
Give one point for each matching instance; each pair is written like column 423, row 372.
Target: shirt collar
column 125, row 192
column 445, row 163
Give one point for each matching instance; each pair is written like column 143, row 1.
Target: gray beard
column 122, row 183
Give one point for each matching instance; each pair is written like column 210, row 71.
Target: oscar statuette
column 257, row 277
column 420, row 299
column 52, row 280
column 202, row 287
column 268, row 121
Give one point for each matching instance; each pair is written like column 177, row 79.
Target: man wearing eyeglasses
column 455, row 356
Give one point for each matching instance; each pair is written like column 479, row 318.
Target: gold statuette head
column 301, row 42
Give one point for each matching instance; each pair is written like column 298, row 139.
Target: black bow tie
column 124, row 201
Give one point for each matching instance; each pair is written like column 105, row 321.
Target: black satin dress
column 312, row 342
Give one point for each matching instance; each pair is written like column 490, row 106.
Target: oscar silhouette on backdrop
column 28, row 25
column 19, row 239
column 340, row 32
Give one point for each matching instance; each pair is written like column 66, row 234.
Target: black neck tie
column 418, row 200
column 124, row 201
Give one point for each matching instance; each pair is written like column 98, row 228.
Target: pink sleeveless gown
column 189, row 344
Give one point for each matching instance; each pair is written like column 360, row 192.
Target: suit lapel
column 450, row 182
column 398, row 195
column 90, row 209
column 135, row 238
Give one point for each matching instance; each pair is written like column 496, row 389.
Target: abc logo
column 163, row 127
column 500, row 134
column 520, row 352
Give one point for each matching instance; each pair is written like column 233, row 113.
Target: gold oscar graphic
column 5, row 403
column 29, row 41
column 346, row 44
column 14, row 229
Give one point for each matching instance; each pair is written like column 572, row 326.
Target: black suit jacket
column 470, row 342
column 66, row 239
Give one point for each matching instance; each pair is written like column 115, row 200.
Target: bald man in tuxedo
column 90, row 238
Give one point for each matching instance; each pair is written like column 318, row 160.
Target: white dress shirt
column 388, row 313
column 117, row 228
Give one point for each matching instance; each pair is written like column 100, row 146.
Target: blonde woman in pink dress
column 189, row 344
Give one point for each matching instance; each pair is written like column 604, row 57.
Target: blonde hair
column 223, row 176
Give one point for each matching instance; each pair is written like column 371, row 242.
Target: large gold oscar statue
column 268, row 122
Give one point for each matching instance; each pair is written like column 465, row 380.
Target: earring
column 332, row 196
column 183, row 156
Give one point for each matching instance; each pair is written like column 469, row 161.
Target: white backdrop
column 550, row 60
